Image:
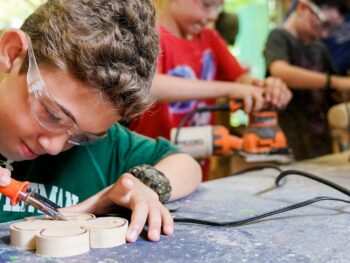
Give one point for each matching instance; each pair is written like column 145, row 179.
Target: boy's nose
column 53, row 144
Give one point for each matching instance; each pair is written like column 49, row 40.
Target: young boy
column 294, row 54
column 70, row 73
column 194, row 68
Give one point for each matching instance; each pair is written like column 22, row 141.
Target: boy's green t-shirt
column 82, row 171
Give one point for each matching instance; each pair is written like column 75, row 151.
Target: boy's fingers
column 168, row 222
column 5, row 180
column 272, row 90
column 5, row 177
column 258, row 102
column 248, row 103
column 4, row 171
column 278, row 92
column 154, row 223
column 138, row 220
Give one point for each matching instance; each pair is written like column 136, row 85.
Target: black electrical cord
column 278, row 211
column 313, row 177
column 258, row 217
column 216, row 107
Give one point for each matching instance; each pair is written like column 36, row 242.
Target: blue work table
column 316, row 233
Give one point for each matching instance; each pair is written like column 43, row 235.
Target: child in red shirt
column 195, row 67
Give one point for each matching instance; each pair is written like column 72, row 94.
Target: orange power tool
column 262, row 140
column 18, row 191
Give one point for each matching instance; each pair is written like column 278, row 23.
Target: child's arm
column 170, row 89
column 184, row 175
column 297, row 77
column 279, row 61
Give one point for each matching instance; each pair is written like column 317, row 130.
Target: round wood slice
column 55, row 238
column 69, row 215
column 22, row 234
column 106, row 232
column 62, row 241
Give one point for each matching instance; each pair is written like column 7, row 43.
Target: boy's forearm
column 183, row 172
column 172, row 89
column 297, row 77
column 245, row 79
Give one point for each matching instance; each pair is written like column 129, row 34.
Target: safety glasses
column 50, row 115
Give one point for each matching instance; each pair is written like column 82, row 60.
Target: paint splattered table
column 317, row 233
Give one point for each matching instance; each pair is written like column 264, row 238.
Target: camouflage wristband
column 154, row 179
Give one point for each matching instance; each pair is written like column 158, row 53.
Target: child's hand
column 276, row 92
column 145, row 206
column 131, row 193
column 5, row 176
column 252, row 96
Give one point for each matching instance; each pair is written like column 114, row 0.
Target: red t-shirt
column 204, row 57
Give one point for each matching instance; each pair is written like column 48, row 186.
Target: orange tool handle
column 234, row 105
column 12, row 191
column 224, row 142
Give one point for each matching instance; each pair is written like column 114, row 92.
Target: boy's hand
column 5, row 176
column 144, row 203
column 131, row 193
column 252, row 96
column 276, row 91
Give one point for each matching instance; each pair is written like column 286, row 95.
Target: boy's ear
column 13, row 49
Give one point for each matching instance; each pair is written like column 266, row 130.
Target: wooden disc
column 78, row 216
column 107, row 231
column 71, row 216
column 62, row 241
column 56, row 238
column 22, row 234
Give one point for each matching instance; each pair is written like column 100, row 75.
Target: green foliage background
column 232, row 5
column 13, row 12
column 254, row 24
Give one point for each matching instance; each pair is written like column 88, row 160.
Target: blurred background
column 12, row 13
column 258, row 16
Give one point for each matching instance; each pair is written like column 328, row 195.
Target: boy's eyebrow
column 70, row 115
column 67, row 112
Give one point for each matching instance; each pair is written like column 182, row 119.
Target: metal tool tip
column 59, row 216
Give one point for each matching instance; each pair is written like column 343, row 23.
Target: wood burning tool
column 18, row 191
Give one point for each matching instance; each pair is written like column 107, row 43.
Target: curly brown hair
column 112, row 46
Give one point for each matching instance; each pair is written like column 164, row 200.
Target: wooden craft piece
column 22, row 234
column 62, row 241
column 105, row 231
column 54, row 238
column 69, row 215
